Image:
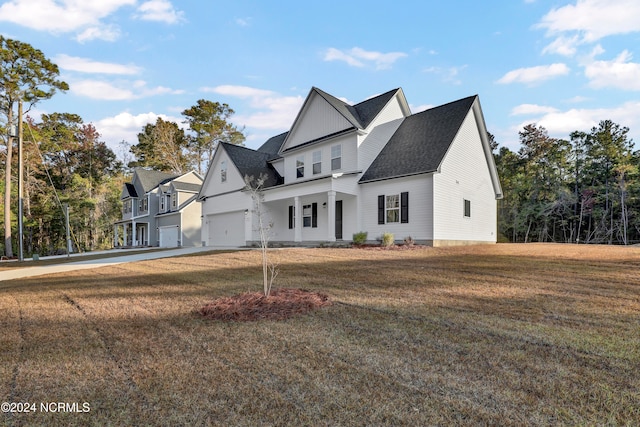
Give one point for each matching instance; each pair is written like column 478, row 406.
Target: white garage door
column 168, row 236
column 227, row 229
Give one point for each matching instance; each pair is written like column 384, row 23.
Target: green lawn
column 534, row 334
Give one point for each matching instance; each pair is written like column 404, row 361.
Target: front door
column 338, row 219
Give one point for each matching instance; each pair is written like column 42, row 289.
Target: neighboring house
column 159, row 209
column 372, row 166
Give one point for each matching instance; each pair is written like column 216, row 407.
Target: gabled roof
column 361, row 114
column 420, row 142
column 128, row 190
column 150, row 179
column 273, row 145
column 186, row 186
column 252, row 163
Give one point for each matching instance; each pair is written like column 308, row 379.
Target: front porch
column 312, row 219
column 130, row 234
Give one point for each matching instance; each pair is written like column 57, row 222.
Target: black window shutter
column 381, row 209
column 290, row 217
column 314, row 215
column 404, row 207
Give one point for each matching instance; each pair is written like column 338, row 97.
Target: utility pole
column 66, row 217
column 20, row 185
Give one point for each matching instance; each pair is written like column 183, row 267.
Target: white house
column 372, row 166
column 159, row 209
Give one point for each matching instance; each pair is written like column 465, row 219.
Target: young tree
column 25, row 75
column 255, row 187
column 209, row 123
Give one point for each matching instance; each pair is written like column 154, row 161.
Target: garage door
column 168, row 236
column 227, row 229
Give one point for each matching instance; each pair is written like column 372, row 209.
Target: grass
column 500, row 335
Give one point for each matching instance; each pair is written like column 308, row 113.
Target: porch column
column 297, row 223
column 115, row 235
column 133, row 233
column 124, row 230
column 331, row 216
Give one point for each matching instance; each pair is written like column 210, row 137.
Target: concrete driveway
column 19, row 273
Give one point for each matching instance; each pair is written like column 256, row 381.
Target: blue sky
column 564, row 65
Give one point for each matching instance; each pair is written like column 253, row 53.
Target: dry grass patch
column 499, row 335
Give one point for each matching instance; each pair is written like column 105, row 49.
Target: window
column 336, row 157
column 161, row 203
column 467, row 208
column 317, row 162
column 223, row 171
column 393, row 208
column 174, row 200
column 300, row 167
column 310, row 215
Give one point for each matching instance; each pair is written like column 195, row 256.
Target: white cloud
column 126, row 127
column 448, row 75
column 531, row 109
column 159, row 10
column 560, row 124
column 357, row 57
column 243, row 22
column 64, row 16
column 117, row 91
column 565, row 46
column 593, row 19
column 619, row 73
column 103, row 32
column 535, row 74
column 84, row 65
column 271, row 110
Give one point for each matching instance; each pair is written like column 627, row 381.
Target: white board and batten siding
column 420, row 225
column 380, row 131
column 464, row 175
column 317, row 120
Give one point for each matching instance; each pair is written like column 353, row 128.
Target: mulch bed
column 389, row 248
column 281, row 304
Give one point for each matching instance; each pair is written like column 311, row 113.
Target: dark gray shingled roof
column 128, row 191
column 252, row 163
column 420, row 143
column 186, row 186
column 150, row 179
column 273, row 145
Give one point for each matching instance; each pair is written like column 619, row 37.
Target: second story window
column 162, row 203
column 300, row 167
column 174, row 200
column 223, row 171
column 317, row 162
column 336, row 157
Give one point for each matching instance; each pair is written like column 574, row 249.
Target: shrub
column 360, row 238
column 408, row 241
column 387, row 240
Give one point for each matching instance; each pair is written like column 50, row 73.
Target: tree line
column 584, row 189
column 65, row 161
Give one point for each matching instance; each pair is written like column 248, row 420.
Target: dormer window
column 300, row 167
column 223, row 171
column 161, row 203
column 336, row 157
column 174, row 200
column 317, row 162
